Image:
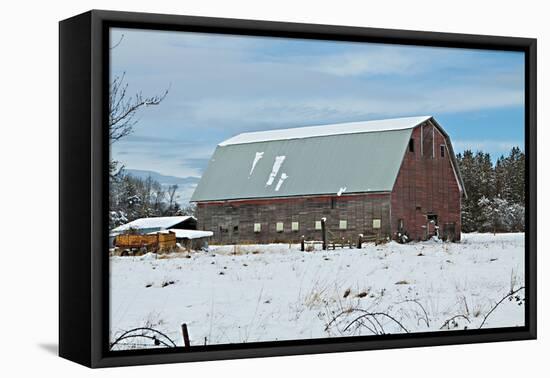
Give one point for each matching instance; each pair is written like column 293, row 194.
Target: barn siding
column 357, row 210
column 426, row 184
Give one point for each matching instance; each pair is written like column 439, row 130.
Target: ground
column 276, row 292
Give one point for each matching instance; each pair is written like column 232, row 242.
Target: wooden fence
column 329, row 240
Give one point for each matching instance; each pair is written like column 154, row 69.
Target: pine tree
column 496, row 194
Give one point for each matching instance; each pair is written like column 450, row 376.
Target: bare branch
column 118, row 43
column 374, row 315
column 123, row 109
column 371, row 317
column 446, row 323
column 510, row 294
column 425, row 318
column 147, row 333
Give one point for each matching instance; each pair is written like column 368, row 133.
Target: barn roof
column 348, row 158
column 327, row 130
column 154, row 222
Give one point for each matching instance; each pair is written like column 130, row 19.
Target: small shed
column 144, row 226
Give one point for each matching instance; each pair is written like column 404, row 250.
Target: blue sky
column 221, row 86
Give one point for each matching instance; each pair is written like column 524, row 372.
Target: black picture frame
column 83, row 181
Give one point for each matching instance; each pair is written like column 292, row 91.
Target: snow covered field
column 276, row 292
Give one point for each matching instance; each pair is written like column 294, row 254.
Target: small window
column 332, row 203
column 280, row 226
column 432, row 218
column 442, row 150
column 317, row 225
column 295, row 226
column 257, row 227
column 411, row 145
column 376, row 223
column 236, row 229
column 343, row 224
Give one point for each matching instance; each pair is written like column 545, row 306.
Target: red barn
column 379, row 178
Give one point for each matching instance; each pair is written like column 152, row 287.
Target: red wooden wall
column 426, row 184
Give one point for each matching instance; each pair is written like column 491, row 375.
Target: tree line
column 495, row 192
column 132, row 197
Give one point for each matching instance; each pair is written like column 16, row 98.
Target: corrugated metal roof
column 308, row 161
column 154, row 222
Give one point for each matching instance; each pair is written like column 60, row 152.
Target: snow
column 148, row 256
column 187, row 234
column 276, row 166
column 155, row 222
column 326, row 130
column 257, row 158
column 341, row 191
column 249, row 293
column 283, row 177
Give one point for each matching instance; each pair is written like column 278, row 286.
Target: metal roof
column 154, row 222
column 362, row 157
column 327, row 130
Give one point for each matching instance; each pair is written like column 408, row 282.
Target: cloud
column 176, row 158
column 224, row 85
column 378, row 61
column 262, row 114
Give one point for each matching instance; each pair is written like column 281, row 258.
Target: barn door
column 432, row 226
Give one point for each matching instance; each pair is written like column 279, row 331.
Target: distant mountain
column 163, row 179
column 186, row 185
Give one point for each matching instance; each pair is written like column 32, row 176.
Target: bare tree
column 172, row 195
column 160, row 196
column 123, row 107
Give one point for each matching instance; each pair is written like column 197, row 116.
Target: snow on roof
column 187, row 234
column 155, row 222
column 326, row 130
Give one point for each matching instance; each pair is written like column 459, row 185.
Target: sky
column 221, row 85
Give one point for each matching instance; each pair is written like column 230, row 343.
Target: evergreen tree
column 496, row 194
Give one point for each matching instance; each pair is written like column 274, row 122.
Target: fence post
column 324, row 231
column 185, row 335
column 303, row 244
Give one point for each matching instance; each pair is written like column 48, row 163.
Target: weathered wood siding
column 426, row 184
column 358, row 210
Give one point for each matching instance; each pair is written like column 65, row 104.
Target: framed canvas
column 234, row 188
